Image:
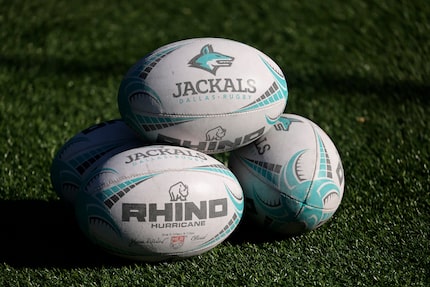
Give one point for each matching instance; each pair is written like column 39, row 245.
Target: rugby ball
column 160, row 202
column 292, row 177
column 83, row 152
column 208, row 94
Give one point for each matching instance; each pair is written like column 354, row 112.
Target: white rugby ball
column 209, row 94
column 160, row 202
column 83, row 152
column 292, row 177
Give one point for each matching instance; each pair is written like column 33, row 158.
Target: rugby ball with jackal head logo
column 160, row 202
column 208, row 94
column 85, row 151
column 292, row 177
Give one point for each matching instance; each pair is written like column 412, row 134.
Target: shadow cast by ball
column 248, row 232
column 45, row 234
column 39, row 233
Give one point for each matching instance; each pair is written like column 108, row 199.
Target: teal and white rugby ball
column 158, row 202
column 292, row 177
column 82, row 153
column 208, row 94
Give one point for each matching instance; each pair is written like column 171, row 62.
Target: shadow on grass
column 386, row 88
column 44, row 234
column 247, row 232
column 51, row 66
column 37, row 233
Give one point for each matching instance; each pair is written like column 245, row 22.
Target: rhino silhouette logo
column 210, row 61
column 178, row 191
column 215, row 134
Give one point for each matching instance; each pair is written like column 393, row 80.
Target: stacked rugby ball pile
column 146, row 186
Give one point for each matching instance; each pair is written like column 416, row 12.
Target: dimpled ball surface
column 292, row 177
column 209, row 94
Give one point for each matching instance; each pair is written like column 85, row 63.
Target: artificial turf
column 359, row 69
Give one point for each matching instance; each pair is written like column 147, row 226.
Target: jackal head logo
column 210, row 61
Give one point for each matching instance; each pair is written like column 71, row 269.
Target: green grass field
column 359, row 69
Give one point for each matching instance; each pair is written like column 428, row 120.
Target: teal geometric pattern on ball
column 276, row 92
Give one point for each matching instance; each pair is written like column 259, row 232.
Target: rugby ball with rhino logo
column 158, row 202
column 208, row 94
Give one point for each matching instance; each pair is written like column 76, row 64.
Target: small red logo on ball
column 177, row 241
